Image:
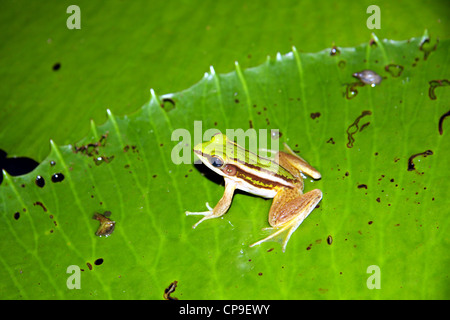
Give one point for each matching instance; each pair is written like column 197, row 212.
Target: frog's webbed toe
column 206, row 214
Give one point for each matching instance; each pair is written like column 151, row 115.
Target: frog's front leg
column 221, row 207
column 288, row 212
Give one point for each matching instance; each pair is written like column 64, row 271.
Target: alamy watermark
column 255, row 141
column 374, row 21
column 74, row 20
column 374, row 280
column 74, row 280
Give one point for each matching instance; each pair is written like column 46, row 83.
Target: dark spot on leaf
column 364, row 126
column 434, row 84
column 98, row 262
column 315, row 115
column 335, row 51
column 168, row 104
column 331, row 141
column 56, row 66
column 92, row 150
column 362, row 186
column 353, row 128
column 40, row 181
column 57, row 177
column 411, row 166
column 38, row 203
column 427, row 48
column 16, row 166
column 378, row 199
column 260, row 274
column 89, row 265
column 394, row 70
column 330, row 240
column 370, row 222
column 52, row 163
column 351, row 91
column 17, row 215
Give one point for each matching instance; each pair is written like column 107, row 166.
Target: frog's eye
column 216, row 161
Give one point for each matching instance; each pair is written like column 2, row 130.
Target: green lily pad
column 381, row 206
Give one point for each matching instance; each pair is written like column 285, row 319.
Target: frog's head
column 217, row 153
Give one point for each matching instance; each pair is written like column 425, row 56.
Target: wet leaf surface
column 374, row 212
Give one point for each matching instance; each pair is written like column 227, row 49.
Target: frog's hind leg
column 290, row 159
column 293, row 162
column 290, row 214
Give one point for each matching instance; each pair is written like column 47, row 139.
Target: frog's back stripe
column 259, row 181
column 269, row 169
column 263, row 178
